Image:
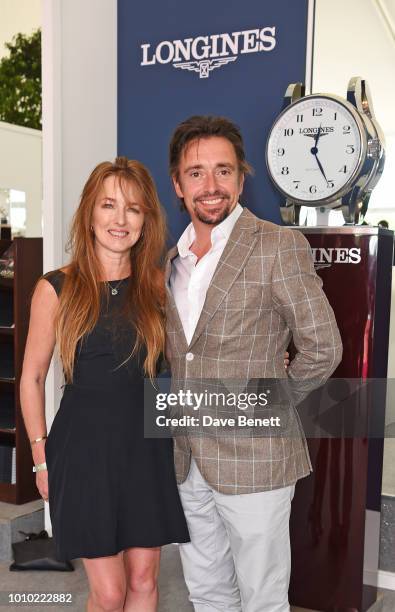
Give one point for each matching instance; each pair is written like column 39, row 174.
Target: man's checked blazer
column 263, row 293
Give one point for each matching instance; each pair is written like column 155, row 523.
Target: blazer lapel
column 232, row 261
column 172, row 253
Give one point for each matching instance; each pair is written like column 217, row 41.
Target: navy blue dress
column 109, row 487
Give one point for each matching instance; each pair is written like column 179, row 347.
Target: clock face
column 314, row 149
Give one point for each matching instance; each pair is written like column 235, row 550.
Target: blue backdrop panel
column 241, row 76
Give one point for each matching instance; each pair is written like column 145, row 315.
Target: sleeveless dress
column 109, row 487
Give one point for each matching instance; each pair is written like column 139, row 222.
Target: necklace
column 114, row 290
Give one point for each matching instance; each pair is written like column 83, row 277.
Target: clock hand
column 320, row 166
column 314, row 151
column 317, row 137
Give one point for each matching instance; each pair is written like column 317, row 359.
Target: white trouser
column 239, row 556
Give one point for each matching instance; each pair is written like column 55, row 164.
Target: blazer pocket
column 233, row 304
column 249, row 296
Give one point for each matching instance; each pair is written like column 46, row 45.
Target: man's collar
column 223, row 229
column 185, row 241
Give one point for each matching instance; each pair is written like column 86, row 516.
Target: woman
column 112, row 493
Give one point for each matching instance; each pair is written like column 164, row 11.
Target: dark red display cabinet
column 335, row 523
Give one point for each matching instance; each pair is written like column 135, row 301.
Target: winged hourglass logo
column 204, row 67
column 204, row 53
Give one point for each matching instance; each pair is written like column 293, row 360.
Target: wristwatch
column 39, row 467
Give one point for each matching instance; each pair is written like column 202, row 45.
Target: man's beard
column 210, row 217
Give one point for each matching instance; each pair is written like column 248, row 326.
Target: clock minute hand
column 320, row 167
column 314, row 151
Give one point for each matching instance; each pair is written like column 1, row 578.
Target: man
column 239, row 289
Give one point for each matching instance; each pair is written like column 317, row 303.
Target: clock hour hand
column 317, row 136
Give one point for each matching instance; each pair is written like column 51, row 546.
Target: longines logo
column 204, row 53
column 324, row 258
column 315, row 130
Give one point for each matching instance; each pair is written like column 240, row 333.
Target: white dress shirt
column 190, row 279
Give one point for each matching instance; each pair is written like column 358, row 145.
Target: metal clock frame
column 353, row 197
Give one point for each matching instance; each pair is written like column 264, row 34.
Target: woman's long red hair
column 79, row 302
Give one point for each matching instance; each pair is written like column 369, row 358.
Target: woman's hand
column 38, row 452
column 286, row 360
column 42, row 484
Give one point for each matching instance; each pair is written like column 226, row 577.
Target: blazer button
column 189, row 356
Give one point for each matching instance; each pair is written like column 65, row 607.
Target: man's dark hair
column 206, row 126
